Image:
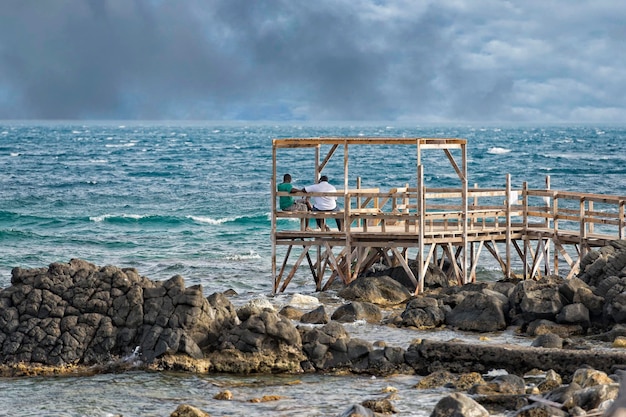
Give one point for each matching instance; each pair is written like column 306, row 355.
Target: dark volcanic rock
column 356, row 310
column 383, row 290
column 479, row 311
column 79, row 313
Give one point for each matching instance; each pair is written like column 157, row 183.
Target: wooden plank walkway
column 541, row 229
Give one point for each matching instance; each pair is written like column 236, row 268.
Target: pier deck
column 542, row 229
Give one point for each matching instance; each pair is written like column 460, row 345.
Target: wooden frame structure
column 441, row 225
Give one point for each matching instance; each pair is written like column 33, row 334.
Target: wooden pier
column 542, row 229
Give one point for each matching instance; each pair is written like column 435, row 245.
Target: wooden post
column 508, row 226
column 525, row 227
column 273, row 210
column 346, row 214
column 421, row 268
column 466, row 278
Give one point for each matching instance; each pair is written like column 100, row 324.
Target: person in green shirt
column 289, row 203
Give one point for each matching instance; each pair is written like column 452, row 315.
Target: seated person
column 323, row 203
column 288, row 203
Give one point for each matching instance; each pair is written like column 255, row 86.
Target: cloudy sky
column 282, row 60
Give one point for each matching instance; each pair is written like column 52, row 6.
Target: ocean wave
column 243, row 257
column 495, row 150
column 230, row 219
column 120, row 145
column 211, row 220
column 136, row 218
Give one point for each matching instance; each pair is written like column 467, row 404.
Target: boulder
column 534, row 300
column 575, row 313
column 185, row 410
column 478, row 312
column 79, row 313
column 539, row 327
column 423, row 313
column 316, row 316
column 549, row 341
column 458, row 405
column 351, row 312
column 380, row 290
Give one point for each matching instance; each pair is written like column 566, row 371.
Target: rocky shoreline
column 79, row 318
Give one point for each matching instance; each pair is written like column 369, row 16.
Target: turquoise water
column 193, row 199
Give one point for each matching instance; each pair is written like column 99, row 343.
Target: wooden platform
column 543, row 229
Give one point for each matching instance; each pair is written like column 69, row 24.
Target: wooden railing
column 444, row 211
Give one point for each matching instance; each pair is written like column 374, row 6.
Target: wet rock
column 382, row 290
column 357, row 410
column 423, row 313
column 436, row 379
column 386, row 361
column 502, row 384
column 291, row 313
column 185, row 410
column 252, row 307
column 316, row 316
column 478, row 312
column 540, row 410
column 570, row 287
column 541, row 327
column 458, row 405
column 535, row 300
column 575, row 313
column 383, row 406
column 548, row 340
column 351, row 312
column 588, row 377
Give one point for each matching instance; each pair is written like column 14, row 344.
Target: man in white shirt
column 323, row 203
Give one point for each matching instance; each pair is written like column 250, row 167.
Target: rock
column 225, row 395
column 351, row 312
column 540, row 410
column 436, row 379
column 423, row 313
column 588, row 377
column 478, row 312
column 570, row 287
column 255, row 306
column 357, row 410
column 548, row 340
column 317, row 316
column 541, row 327
column 503, row 384
column 185, row 410
column 534, row 300
column 383, row 406
column 435, row 277
column 383, row 291
column 575, row 313
column 291, row 313
column 591, row 397
column 458, row 405
column 303, row 300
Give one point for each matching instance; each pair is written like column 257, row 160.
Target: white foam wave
column 243, row 257
column 120, row 145
column 104, row 217
column 211, row 220
column 495, row 150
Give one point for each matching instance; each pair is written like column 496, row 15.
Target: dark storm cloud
column 447, row 60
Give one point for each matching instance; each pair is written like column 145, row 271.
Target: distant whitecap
column 211, row 220
column 498, row 151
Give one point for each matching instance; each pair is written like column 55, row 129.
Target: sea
column 193, row 199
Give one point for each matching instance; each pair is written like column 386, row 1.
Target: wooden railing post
column 508, row 226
